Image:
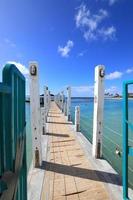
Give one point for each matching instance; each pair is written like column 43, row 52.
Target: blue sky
column 68, row 38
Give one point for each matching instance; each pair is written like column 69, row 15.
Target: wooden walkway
column 69, row 173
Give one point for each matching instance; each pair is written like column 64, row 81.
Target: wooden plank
column 71, row 174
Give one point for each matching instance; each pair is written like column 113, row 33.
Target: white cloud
column 114, row 75
column 9, row 42
column 111, row 90
column 85, row 19
column 91, row 24
column 129, row 71
column 64, row 51
column 108, row 32
column 110, row 2
column 21, row 67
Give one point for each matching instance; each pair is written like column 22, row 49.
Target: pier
column 68, row 170
column 69, row 174
column 65, row 165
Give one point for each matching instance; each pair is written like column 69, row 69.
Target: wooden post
column 69, row 103
column 45, row 104
column 49, row 100
column 47, row 93
column 98, row 111
column 43, row 113
column 62, row 101
column 77, row 118
column 59, row 100
column 45, row 97
column 35, row 113
column 43, row 121
column 65, row 108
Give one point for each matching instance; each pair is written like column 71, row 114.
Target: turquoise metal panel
column 12, row 133
column 127, row 151
column 130, row 151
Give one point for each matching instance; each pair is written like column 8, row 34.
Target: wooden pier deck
column 69, row 175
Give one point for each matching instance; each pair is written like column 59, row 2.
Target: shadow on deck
column 57, row 135
column 82, row 172
column 65, row 123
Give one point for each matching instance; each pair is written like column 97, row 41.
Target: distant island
column 117, row 96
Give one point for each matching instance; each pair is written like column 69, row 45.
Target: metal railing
column 127, row 150
column 13, row 170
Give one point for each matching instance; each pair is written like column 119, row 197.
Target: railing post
column 47, row 101
column 69, row 103
column 43, row 120
column 125, row 142
column 77, row 118
column 62, row 101
column 98, row 111
column 65, row 104
column 59, row 101
column 45, row 97
column 43, row 113
column 35, row 113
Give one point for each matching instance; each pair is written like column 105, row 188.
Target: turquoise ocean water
column 112, row 132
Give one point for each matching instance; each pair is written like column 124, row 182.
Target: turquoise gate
column 127, row 150
column 13, row 171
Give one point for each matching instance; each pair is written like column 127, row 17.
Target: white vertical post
column 45, row 105
column 47, row 101
column 45, row 97
column 35, row 113
column 98, row 111
column 49, row 98
column 59, row 100
column 69, row 103
column 43, row 112
column 62, row 101
column 77, row 118
column 64, row 109
column 43, row 122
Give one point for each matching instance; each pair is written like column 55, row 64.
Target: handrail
column 10, row 178
column 127, row 151
column 13, row 168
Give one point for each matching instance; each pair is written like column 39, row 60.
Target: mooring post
column 64, row 109
column 59, row 100
column 47, row 93
column 43, row 123
column 45, row 97
column 77, row 118
column 69, row 103
column 45, row 102
column 98, row 111
column 49, row 99
column 35, row 113
column 43, row 113
column 62, row 101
